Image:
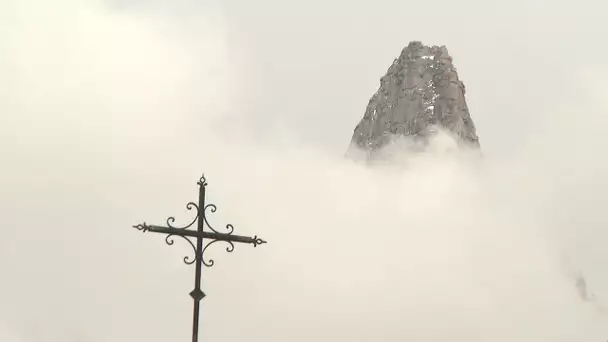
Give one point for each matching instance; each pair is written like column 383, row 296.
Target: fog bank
column 108, row 118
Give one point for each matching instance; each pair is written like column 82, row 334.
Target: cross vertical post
column 199, row 249
column 197, row 294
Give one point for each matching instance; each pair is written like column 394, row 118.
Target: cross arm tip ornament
column 257, row 241
column 143, row 227
column 202, row 181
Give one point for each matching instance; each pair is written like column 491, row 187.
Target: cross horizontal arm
column 206, row 235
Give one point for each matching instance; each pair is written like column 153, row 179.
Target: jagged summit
column 419, row 94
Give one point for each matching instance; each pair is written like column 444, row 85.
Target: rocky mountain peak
column 419, row 94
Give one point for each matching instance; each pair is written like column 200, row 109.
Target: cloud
column 110, row 113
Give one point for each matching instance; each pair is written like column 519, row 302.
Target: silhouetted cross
column 199, row 249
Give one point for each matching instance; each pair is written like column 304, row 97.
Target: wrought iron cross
column 199, row 250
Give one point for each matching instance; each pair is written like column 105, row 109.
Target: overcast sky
column 320, row 61
column 303, row 63
column 110, row 110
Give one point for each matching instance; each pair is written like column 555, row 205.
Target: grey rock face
column 419, row 94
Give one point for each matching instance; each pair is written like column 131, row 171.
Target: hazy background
column 110, row 110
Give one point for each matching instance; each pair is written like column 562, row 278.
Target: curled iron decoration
column 189, row 206
column 187, row 259
column 212, row 208
column 211, row 262
column 142, row 227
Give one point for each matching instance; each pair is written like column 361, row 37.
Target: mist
column 110, row 112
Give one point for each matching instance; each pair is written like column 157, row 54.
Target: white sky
column 331, row 55
column 110, row 110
